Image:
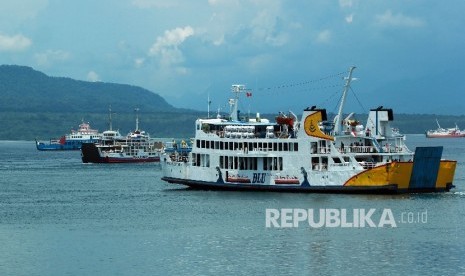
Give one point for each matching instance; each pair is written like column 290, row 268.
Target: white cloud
column 261, row 22
column 51, row 56
column 324, row 36
column 144, row 4
column 25, row 9
column 224, row 2
column 264, row 28
column 345, row 3
column 166, row 47
column 16, row 13
column 258, row 63
column 92, row 76
column 138, row 62
column 14, row 43
column 398, row 20
column 350, row 18
column 181, row 70
column 219, row 41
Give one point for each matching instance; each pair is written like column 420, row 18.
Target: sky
column 409, row 54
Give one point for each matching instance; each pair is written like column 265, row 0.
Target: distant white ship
column 445, row 132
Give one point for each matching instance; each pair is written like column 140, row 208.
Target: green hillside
column 34, row 105
column 25, row 90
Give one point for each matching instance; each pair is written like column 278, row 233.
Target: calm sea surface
column 61, row 217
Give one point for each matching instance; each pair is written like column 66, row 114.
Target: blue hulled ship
column 72, row 141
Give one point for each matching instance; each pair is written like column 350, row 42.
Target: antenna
column 137, row 118
column 208, row 106
column 236, row 89
column 110, row 123
column 218, row 115
column 348, row 79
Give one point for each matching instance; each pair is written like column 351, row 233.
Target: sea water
column 59, row 216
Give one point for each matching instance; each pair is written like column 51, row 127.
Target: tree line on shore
column 45, row 125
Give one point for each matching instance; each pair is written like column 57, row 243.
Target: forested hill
column 24, row 89
column 34, row 105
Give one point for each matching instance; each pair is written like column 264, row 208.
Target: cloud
column 14, row 43
column 138, row 62
column 15, row 14
column 264, row 28
column 223, row 2
column 260, row 22
column 92, row 76
column 324, row 36
column 166, row 47
column 49, row 57
column 144, row 4
column 349, row 18
column 398, row 20
column 219, row 41
column 345, row 3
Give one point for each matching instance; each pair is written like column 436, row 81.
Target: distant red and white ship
column 445, row 132
column 136, row 147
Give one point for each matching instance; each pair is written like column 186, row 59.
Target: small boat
column 282, row 119
column 72, row 141
column 307, row 154
column 136, row 147
column 440, row 132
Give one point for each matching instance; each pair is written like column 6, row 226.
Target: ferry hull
column 444, row 136
column 425, row 174
column 380, row 189
column 45, row 147
column 91, row 154
column 123, row 160
column 69, row 145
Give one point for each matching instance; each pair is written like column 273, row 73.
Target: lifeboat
column 282, row 120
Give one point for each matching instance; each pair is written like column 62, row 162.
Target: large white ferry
column 307, row 155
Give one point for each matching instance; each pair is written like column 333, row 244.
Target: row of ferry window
column 239, row 163
column 80, row 136
column 251, row 163
column 250, row 146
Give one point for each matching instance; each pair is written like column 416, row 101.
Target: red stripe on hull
column 129, row 160
column 238, row 180
column 445, row 136
column 286, row 181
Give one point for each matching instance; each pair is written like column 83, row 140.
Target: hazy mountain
column 34, row 105
column 25, row 89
